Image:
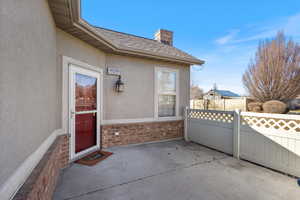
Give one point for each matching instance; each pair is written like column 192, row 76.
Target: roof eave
column 67, row 16
column 85, row 25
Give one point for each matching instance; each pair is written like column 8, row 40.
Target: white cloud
column 290, row 25
column 258, row 36
column 227, row 61
column 227, row 38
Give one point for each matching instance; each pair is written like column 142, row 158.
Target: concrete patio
column 174, row 170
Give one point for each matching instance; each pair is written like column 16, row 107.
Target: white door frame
column 67, row 125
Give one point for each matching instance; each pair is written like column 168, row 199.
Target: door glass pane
column 85, row 131
column 86, row 93
column 166, row 81
column 166, row 105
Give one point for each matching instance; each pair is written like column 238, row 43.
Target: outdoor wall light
column 119, row 85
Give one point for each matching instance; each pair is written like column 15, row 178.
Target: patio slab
column 174, row 170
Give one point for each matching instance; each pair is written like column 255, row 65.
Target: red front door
column 85, row 131
column 84, row 94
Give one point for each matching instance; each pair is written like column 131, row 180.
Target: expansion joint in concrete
column 146, row 177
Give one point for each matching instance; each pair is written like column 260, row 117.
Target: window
column 166, row 92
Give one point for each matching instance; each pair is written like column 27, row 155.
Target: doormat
column 94, row 158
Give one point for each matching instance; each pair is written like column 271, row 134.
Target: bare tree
column 275, row 72
column 196, row 92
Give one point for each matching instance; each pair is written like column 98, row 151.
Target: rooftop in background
column 224, row 93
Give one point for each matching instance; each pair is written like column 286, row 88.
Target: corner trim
column 18, row 178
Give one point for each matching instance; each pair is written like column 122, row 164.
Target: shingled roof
column 67, row 16
column 125, row 40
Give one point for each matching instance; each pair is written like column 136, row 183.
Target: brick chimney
column 164, row 36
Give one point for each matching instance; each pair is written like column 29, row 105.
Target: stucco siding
column 137, row 101
column 28, row 81
column 69, row 46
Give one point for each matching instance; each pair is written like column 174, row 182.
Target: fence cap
column 271, row 115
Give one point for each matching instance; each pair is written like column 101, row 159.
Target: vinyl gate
column 211, row 128
column 271, row 140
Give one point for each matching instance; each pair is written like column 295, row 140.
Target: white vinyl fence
column 220, row 104
column 271, row 140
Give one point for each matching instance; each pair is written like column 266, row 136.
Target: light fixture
column 119, row 85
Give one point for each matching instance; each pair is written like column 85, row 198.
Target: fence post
column 186, row 124
column 236, row 133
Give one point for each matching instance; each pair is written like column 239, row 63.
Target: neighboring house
column 61, row 96
column 215, row 94
column 216, row 99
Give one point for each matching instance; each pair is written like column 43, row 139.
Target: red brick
column 41, row 183
column 140, row 132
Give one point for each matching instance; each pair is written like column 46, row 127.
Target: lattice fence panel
column 225, row 117
column 286, row 125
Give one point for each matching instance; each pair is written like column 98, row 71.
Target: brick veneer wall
column 41, row 183
column 133, row 133
column 64, row 151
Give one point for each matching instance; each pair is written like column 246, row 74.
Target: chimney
column 164, row 36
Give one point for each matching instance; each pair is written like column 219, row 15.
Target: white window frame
column 156, row 92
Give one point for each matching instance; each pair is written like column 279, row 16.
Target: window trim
column 156, row 92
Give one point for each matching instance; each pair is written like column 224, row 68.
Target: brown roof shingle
column 124, row 40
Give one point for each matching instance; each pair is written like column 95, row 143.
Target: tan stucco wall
column 72, row 47
column 138, row 99
column 138, row 75
column 28, row 81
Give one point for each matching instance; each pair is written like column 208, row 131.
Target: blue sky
column 223, row 33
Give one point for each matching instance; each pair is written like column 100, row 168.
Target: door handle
column 72, row 113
